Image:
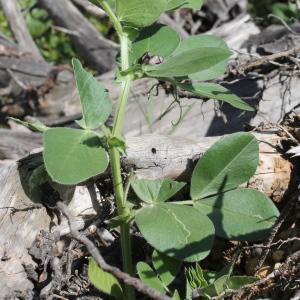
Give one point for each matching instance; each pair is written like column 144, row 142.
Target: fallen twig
column 92, row 249
column 265, row 60
column 279, row 243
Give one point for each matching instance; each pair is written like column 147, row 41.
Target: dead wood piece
column 17, row 231
column 18, row 26
column 275, row 38
column 236, row 38
column 98, row 52
column 222, row 8
column 17, row 144
column 90, row 7
column 267, row 59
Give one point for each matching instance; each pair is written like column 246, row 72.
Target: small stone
column 278, row 256
column 251, row 265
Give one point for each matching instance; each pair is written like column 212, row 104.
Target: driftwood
column 17, row 24
column 150, row 157
column 98, row 52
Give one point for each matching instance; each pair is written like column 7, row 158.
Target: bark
column 99, row 53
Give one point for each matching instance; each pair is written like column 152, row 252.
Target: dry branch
column 18, row 26
column 267, row 59
column 98, row 52
column 90, row 7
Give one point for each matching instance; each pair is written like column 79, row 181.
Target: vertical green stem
column 114, row 152
column 125, row 226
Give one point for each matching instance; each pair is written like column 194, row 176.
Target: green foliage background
column 285, row 9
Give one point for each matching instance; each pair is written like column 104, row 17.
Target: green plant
column 287, row 11
column 213, row 284
column 186, row 229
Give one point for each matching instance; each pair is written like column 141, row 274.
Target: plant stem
column 121, row 200
column 125, row 226
column 113, row 18
column 119, row 190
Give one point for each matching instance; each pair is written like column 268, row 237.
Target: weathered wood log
column 98, row 52
column 17, row 144
column 236, row 39
column 18, row 26
column 150, row 157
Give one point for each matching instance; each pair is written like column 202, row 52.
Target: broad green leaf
column 34, row 126
column 242, row 214
column 72, row 156
column 148, row 276
column 156, row 39
column 103, row 281
column 187, row 62
column 215, row 91
column 178, row 231
column 132, row 32
column 228, row 163
column 166, row 267
column 174, row 4
column 95, row 104
column 160, row 190
column 236, row 282
column 205, row 41
column 140, row 13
